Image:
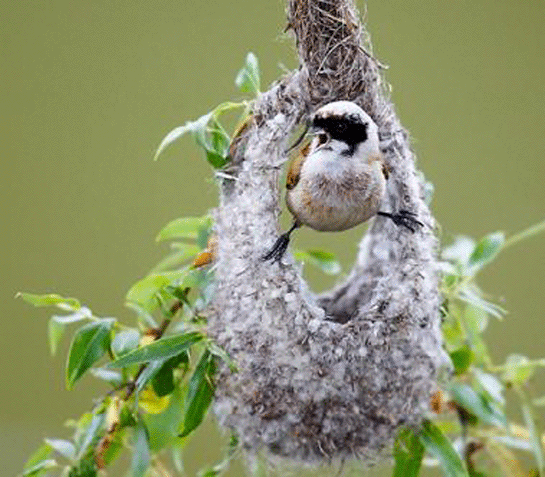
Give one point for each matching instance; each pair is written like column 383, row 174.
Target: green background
column 88, row 90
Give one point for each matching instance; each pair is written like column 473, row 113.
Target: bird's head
column 345, row 129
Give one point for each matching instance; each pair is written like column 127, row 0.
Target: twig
column 106, row 440
column 157, row 333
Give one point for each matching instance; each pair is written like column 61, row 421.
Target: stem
column 108, row 437
column 526, row 233
column 158, row 333
column 535, row 440
column 502, row 367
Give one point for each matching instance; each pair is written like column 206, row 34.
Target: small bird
column 339, row 178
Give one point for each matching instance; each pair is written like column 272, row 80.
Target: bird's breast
column 338, row 200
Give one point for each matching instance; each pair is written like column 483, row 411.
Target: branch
column 331, row 376
column 155, row 333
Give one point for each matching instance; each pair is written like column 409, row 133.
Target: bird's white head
column 346, row 129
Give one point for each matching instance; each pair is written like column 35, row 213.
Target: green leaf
column 471, row 295
column 210, row 135
column 206, row 134
column 162, row 428
column 216, row 160
column 485, row 251
column 453, row 332
column 128, row 417
column 57, row 325
column 451, row 282
column 182, row 253
column 227, row 106
column 200, row 129
column 220, row 353
column 475, row 317
column 461, row 359
column 178, row 293
column 535, row 435
column 40, row 467
column 117, row 445
column 460, row 250
column 321, row 259
column 247, row 79
column 219, row 138
column 40, row 455
column 184, row 228
column 149, row 372
column 144, row 315
column 478, row 405
column 89, row 435
column 211, row 471
column 217, row 148
column 440, row 447
column 82, row 313
column 173, row 136
column 474, row 321
column 408, row 454
column 161, row 349
column 55, row 331
column 491, row 385
column 143, row 292
column 125, row 341
column 113, row 377
column 200, row 392
column 141, row 452
column 89, row 344
column 151, row 403
column 84, row 468
column 514, row 442
column 206, row 131
column 518, row 368
column 50, row 299
column 63, row 447
column 163, row 381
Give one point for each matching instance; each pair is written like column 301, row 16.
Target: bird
column 338, row 179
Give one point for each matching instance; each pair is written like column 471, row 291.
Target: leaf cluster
column 160, row 371
column 469, row 432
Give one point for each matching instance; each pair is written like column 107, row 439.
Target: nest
column 329, row 42
column 331, row 376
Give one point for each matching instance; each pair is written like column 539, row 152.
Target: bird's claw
column 278, row 249
column 407, row 219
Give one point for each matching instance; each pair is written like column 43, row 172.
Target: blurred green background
column 88, row 90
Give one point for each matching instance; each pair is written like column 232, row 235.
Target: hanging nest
column 331, row 376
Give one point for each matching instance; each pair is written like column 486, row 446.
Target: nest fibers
column 331, row 376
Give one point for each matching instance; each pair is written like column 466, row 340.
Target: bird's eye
column 322, row 138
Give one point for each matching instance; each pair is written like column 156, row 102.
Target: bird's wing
column 294, row 172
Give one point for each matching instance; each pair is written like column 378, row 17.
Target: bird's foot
column 404, row 218
column 278, row 250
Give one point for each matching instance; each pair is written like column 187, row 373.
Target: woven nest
column 331, row 376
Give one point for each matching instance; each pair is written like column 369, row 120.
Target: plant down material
column 336, row 375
